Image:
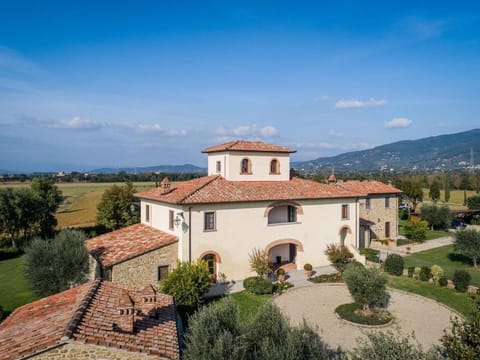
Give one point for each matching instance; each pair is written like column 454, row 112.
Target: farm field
column 79, row 207
column 456, row 198
column 442, row 256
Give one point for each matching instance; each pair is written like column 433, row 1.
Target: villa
column 248, row 200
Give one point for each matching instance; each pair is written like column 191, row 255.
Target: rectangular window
column 162, row 272
column 387, row 229
column 147, row 213
column 292, row 213
column 344, row 212
column 219, row 166
column 367, row 204
column 387, row 202
column 171, row 216
column 209, row 223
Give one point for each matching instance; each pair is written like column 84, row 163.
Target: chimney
column 148, row 303
column 125, row 313
column 332, row 179
column 165, row 185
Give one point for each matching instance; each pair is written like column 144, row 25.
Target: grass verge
column 444, row 256
column 249, row 303
column 14, row 288
column 458, row 301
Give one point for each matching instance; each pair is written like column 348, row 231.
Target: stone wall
column 379, row 214
column 143, row 270
column 77, row 350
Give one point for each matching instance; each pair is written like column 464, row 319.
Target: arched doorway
column 344, row 232
column 213, row 260
column 284, row 251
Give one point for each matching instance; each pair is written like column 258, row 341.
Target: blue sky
column 138, row 83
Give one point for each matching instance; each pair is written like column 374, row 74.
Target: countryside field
column 79, row 207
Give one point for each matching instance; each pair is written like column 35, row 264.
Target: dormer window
column 274, row 167
column 219, row 166
column 246, row 167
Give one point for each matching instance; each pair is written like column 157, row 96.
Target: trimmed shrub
column 442, row 281
column 394, row 264
column 280, row 287
column 371, row 254
column 437, row 273
column 307, row 267
column 416, row 273
column 416, row 230
column 461, row 279
column 280, row 271
column 425, row 273
column 327, row 278
column 339, row 256
column 411, row 270
column 258, row 285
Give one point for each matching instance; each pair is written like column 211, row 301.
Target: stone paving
column 316, row 304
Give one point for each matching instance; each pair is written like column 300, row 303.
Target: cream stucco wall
column 240, row 227
column 231, row 165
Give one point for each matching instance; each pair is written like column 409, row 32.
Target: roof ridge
column 197, row 189
column 77, row 316
column 233, row 143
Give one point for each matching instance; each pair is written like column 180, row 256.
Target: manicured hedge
column 347, row 312
column 461, row 279
column 328, row 278
column 258, row 285
column 394, row 264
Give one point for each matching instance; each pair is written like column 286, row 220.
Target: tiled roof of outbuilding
column 215, row 189
column 86, row 313
column 127, row 243
column 242, row 145
column 370, row 187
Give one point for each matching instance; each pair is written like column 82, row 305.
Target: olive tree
column 467, row 243
column 114, row 210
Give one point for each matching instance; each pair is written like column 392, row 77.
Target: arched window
column 282, row 214
column 274, row 167
column 246, row 166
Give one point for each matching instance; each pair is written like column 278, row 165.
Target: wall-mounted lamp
column 179, row 218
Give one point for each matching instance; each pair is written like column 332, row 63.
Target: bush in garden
column 411, row 270
column 461, row 279
column 437, row 273
column 442, row 281
column 394, row 264
column 425, row 273
column 416, row 272
column 258, row 285
column 187, row 283
column 260, row 262
column 416, row 230
column 339, row 256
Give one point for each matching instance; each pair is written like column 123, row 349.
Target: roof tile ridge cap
column 235, row 142
column 78, row 315
column 214, row 177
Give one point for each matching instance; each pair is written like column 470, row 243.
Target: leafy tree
column 367, row 286
column 416, row 230
column 434, row 192
column 447, row 189
column 27, row 208
column 54, row 265
column 51, row 196
column 390, row 346
column 437, row 217
column 413, row 191
column 464, row 340
column 467, row 243
column 187, row 283
column 8, row 215
column 114, row 210
column 473, row 202
column 260, row 262
column 215, row 333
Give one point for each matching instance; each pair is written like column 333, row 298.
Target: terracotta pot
column 281, row 278
column 308, row 273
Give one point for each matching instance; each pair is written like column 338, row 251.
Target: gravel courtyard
column 412, row 313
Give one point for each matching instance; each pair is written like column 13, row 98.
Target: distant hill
column 435, row 153
column 178, row 169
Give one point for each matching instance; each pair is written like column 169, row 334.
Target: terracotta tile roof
column 127, row 243
column 242, row 145
column 155, row 335
column 370, row 187
column 89, row 313
column 215, row 189
column 39, row 325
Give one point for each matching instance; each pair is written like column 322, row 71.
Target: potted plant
column 308, row 269
column 281, row 275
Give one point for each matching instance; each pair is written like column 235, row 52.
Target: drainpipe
column 190, row 234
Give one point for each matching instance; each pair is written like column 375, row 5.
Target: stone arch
column 246, row 166
column 283, row 203
column 284, row 242
column 346, row 228
column 218, row 259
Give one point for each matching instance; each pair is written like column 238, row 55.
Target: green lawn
column 444, row 257
column 14, row 288
column 458, row 301
column 248, row 303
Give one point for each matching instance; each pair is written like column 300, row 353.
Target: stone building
column 96, row 320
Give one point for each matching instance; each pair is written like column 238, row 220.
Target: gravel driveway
column 316, row 304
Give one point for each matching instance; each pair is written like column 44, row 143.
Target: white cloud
column 250, row 131
column 334, row 133
column 321, row 98
column 157, row 129
column 398, row 123
column 324, row 145
column 354, row 103
column 77, row 123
